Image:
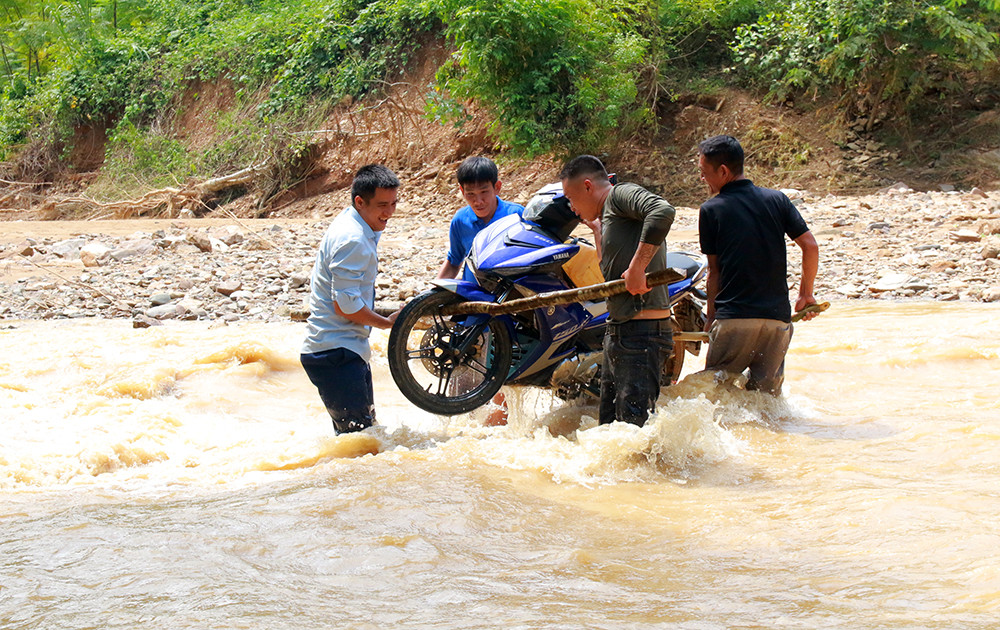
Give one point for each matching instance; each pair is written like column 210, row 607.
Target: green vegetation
column 555, row 74
column 881, row 54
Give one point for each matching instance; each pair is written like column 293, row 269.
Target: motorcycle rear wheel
column 429, row 365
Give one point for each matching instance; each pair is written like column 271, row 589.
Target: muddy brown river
column 188, row 477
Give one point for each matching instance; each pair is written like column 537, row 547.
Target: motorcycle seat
column 683, row 262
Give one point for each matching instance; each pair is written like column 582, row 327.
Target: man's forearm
column 364, row 317
column 643, row 254
column 810, row 263
column 711, row 289
column 448, row 271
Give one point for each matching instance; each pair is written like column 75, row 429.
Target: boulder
column 228, row 234
column 142, row 321
column 69, row 248
column 298, row 280
column 991, row 294
column 93, row 253
column 201, row 241
column 890, row 282
column 160, row 299
column 25, row 249
column 228, row 287
column 166, row 311
column 965, row 236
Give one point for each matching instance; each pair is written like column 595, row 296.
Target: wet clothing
column 336, row 351
column 745, row 227
column 464, row 227
column 344, row 381
column 632, row 371
column 344, row 272
column 735, row 345
column 633, row 215
column 634, row 350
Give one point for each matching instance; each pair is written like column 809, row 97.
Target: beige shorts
column 735, row 345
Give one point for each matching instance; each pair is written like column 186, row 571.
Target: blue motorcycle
column 451, row 364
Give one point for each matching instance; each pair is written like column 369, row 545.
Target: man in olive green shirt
column 631, row 225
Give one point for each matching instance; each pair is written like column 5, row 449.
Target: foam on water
column 207, row 407
column 688, row 436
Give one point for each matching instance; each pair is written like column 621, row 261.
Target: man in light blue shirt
column 335, row 353
column 479, row 181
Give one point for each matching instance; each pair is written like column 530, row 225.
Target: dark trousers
column 634, row 354
column 344, row 381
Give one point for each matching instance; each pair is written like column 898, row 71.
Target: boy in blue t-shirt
column 479, row 181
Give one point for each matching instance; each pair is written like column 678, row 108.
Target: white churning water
column 188, row 477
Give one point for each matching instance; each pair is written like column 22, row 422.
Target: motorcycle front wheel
column 446, row 365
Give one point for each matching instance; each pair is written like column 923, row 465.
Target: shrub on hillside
column 880, row 54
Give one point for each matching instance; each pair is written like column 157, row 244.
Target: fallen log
column 171, row 199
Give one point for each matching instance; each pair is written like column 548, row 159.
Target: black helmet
column 549, row 209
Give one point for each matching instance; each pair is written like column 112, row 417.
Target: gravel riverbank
column 896, row 244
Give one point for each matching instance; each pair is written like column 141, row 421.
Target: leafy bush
column 884, row 52
column 565, row 74
column 140, row 159
column 554, row 72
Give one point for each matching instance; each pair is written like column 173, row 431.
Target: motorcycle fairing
column 468, row 290
column 511, row 245
column 471, row 292
column 556, row 325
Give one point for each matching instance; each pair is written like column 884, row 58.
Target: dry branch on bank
column 166, row 202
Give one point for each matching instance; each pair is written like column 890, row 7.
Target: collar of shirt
column 481, row 223
column 365, row 228
column 736, row 185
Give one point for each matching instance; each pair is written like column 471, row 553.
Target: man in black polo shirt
column 631, row 225
column 742, row 231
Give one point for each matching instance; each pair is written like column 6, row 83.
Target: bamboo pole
column 697, row 337
column 557, row 298
column 812, row 308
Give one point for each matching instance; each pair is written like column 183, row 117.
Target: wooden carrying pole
column 557, row 298
column 697, row 337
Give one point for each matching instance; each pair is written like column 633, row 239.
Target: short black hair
column 370, row 177
column 477, row 170
column 583, row 165
column 726, row 150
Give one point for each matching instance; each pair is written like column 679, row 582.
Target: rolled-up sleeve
column 348, row 265
column 657, row 219
column 656, row 213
